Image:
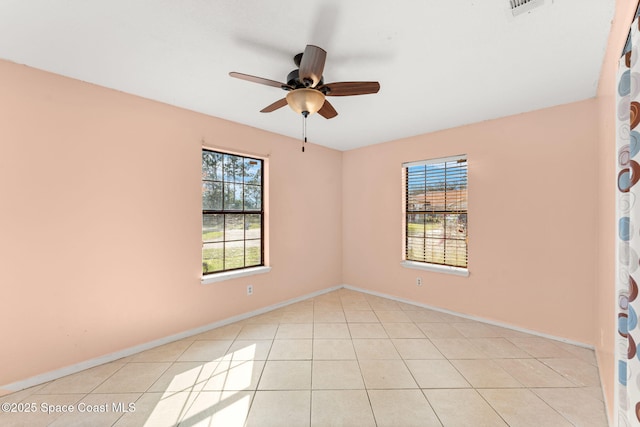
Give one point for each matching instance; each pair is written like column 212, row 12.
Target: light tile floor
column 341, row 359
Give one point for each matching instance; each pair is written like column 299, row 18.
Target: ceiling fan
column 306, row 87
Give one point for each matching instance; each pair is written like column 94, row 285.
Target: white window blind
column 436, row 211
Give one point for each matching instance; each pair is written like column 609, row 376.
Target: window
column 436, row 211
column 232, row 212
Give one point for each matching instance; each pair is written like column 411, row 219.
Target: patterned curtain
column 628, row 216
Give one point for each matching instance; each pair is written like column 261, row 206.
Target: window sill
column 458, row 271
column 228, row 275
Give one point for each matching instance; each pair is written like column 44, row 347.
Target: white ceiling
column 440, row 64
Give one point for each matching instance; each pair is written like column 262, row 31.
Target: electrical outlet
column 249, row 289
column 419, row 281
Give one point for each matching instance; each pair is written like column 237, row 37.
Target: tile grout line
column 552, row 408
column 364, row 384
column 183, row 410
column 261, row 372
column 413, row 376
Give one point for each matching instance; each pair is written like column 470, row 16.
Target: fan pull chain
column 304, row 128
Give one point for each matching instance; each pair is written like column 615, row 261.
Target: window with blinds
column 436, row 211
column 232, row 212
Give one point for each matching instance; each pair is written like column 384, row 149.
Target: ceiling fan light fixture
column 309, row 100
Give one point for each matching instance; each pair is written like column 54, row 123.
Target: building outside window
column 436, row 211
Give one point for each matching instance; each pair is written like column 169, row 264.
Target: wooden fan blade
column 327, row 111
column 259, row 80
column 351, row 88
column 312, row 65
column 273, row 107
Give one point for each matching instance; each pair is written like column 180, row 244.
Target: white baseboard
column 68, row 370
column 467, row 316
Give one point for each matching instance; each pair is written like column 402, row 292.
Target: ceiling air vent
column 518, row 7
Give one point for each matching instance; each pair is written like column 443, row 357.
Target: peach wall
column 605, row 285
column 100, row 221
column 532, row 212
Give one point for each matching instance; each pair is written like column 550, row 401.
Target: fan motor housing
column 293, row 79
